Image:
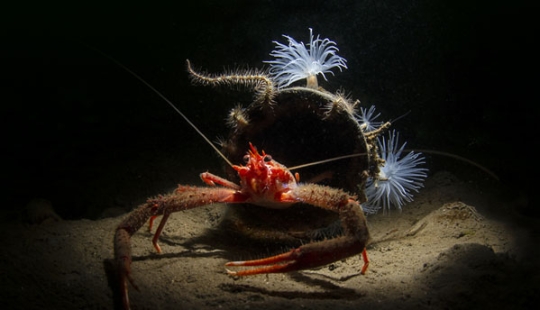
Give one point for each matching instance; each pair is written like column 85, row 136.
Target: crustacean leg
column 209, row 179
column 354, row 241
column 182, row 198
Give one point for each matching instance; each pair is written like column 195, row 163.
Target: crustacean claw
column 266, row 183
column 274, row 264
column 290, row 261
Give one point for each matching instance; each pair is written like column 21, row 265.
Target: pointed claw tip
column 231, row 273
column 364, row 269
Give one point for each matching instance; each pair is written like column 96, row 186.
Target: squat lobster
column 263, row 182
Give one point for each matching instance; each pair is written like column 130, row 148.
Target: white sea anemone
column 366, row 119
column 294, row 62
column 397, row 178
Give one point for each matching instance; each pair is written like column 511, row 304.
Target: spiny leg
column 366, row 262
column 277, row 264
column 312, row 255
column 181, row 199
column 151, row 222
column 158, row 232
column 305, row 257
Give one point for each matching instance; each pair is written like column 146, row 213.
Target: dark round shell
column 296, row 126
column 301, row 126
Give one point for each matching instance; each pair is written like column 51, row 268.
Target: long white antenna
column 326, row 161
column 290, row 168
column 167, row 101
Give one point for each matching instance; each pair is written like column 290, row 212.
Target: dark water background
column 81, row 132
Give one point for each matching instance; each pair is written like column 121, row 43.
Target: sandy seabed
column 446, row 250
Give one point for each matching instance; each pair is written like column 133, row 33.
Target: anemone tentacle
column 399, row 176
column 366, row 119
column 294, row 62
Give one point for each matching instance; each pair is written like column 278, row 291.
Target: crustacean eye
column 246, row 159
column 267, row 158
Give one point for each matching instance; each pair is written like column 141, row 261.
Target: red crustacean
column 263, row 182
column 266, row 183
column 290, row 119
